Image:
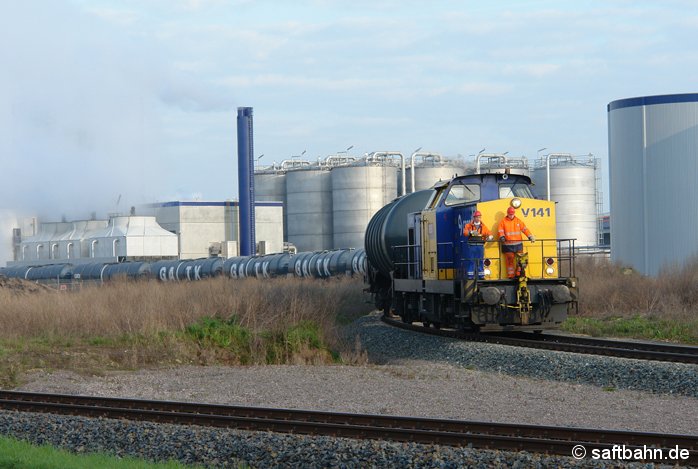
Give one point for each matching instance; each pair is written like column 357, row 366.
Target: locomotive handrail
column 564, row 257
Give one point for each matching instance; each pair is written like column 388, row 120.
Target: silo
column 653, row 169
column 309, row 209
column 270, row 186
column 358, row 192
column 573, row 188
column 429, row 168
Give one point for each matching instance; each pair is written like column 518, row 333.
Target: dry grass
column 617, row 301
column 126, row 325
column 611, row 290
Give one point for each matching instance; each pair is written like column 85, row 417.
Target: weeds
column 126, row 325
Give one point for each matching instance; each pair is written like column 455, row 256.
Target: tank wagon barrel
column 320, row 264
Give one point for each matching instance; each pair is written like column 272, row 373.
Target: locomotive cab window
column 462, row 194
column 515, row 190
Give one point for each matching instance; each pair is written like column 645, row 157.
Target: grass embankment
column 618, row 302
column 20, row 455
column 132, row 325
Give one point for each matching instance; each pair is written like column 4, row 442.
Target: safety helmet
column 477, row 213
column 511, row 211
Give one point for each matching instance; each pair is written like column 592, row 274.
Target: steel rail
column 636, row 350
column 495, row 436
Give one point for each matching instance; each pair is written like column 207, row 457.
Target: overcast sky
column 108, row 103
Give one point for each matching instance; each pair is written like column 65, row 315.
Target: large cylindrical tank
column 573, row 188
column 358, row 192
column 270, row 186
column 388, row 229
column 50, row 272
column 91, row 271
column 126, row 270
column 429, row 168
column 653, row 167
column 309, row 208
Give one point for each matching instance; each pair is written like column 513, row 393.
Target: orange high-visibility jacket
column 481, row 229
column 512, row 229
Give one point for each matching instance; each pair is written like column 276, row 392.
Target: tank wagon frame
column 421, row 267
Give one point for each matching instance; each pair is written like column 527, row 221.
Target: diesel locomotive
column 423, row 267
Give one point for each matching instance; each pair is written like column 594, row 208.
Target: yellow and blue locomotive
column 422, row 266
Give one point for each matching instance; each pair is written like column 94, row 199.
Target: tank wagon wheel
column 538, row 331
column 426, row 323
column 437, row 325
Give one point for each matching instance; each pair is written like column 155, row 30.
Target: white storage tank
column 429, row 168
column 573, row 188
column 358, row 192
column 309, row 208
column 653, row 170
column 270, row 186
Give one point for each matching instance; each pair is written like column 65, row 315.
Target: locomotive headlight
column 515, row 202
column 487, row 272
column 549, row 271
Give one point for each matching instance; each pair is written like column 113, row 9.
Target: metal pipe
column 557, row 157
column 490, row 156
column 547, row 174
column 424, row 155
column 375, row 156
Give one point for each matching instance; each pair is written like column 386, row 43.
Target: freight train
column 423, row 268
column 320, row 264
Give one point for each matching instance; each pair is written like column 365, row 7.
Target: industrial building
column 653, row 169
column 117, row 239
column 206, row 229
column 171, row 230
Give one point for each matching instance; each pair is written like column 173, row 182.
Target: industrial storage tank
column 358, row 192
column 573, row 188
column 429, row 168
column 653, row 167
column 270, row 186
column 309, row 208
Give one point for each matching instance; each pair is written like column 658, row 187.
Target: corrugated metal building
column 653, row 166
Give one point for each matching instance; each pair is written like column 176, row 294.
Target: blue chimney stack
column 246, row 181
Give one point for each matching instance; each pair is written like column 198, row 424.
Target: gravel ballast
column 416, row 376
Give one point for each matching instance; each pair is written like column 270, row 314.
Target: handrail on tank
column 424, row 155
column 380, row 156
column 294, row 163
column 499, row 157
column 338, row 160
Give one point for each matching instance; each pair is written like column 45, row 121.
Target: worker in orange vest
column 510, row 229
column 476, row 233
column 476, row 228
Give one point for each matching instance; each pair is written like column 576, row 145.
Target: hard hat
column 511, row 211
column 477, row 213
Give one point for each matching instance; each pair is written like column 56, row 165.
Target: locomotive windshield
column 517, row 189
column 462, row 194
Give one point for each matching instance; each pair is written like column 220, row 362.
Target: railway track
column 495, row 436
column 615, row 348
